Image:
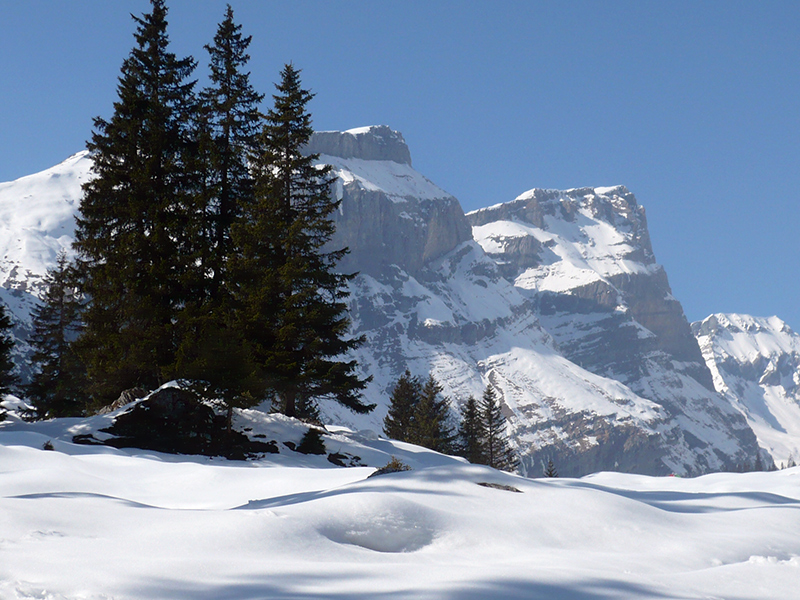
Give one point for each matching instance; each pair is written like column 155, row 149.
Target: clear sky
column 695, row 106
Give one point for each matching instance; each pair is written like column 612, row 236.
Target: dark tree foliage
column 136, row 236
column 58, row 385
column 8, row 378
column 470, row 433
column 550, row 471
column 213, row 351
column 498, row 454
column 293, row 304
column 431, row 423
column 399, row 420
column 229, row 108
column 312, row 442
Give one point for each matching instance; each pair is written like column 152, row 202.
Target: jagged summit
column 377, row 142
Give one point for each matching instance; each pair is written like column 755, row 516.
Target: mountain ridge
column 577, row 280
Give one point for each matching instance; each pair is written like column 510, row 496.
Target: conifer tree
column 498, row 453
column 399, row 420
column 214, row 352
column 293, row 304
column 431, row 423
column 58, row 385
column 550, row 471
column 470, row 433
column 8, row 377
column 230, row 109
column 136, row 234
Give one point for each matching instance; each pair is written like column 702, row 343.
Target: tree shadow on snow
column 302, row 586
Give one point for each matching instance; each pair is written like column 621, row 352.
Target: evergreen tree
column 399, row 420
column 470, row 433
column 214, row 352
column 431, row 422
column 58, row 385
column 498, row 453
column 137, row 232
column 8, row 378
column 230, row 109
column 550, row 471
column 293, row 304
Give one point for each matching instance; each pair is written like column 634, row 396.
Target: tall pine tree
column 58, row 385
column 294, row 308
column 213, row 349
column 135, row 236
column 230, row 106
column 497, row 451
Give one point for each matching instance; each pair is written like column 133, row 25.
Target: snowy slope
column 94, row 523
column 37, row 219
column 755, row 362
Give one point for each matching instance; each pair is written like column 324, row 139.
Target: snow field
column 91, row 522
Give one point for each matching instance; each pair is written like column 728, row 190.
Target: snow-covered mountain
column 756, row 365
column 554, row 298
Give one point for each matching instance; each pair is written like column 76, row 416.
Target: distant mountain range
column 554, row 298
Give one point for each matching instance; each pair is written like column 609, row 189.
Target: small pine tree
column 470, row 433
column 405, row 396
column 498, row 453
column 58, row 385
column 312, row 442
column 8, row 377
column 431, row 422
column 550, row 471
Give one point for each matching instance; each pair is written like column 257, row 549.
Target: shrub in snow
column 394, row 465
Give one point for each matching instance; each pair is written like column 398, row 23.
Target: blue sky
column 695, row 106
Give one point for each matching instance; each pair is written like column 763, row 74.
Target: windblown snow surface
column 90, row 522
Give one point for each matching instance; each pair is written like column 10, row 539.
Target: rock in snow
column 554, row 298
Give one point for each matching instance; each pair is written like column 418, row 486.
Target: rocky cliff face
column 755, row 363
column 390, row 214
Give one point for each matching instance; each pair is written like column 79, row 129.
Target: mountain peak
column 377, row 142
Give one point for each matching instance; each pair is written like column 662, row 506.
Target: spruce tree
column 498, row 453
column 214, row 352
column 399, row 421
column 136, row 234
column 550, row 471
column 470, row 433
column 8, row 377
column 230, row 106
column 293, row 303
column 431, row 422
column 58, row 385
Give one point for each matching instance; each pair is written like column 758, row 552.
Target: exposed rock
column 174, row 421
column 126, row 397
column 366, row 143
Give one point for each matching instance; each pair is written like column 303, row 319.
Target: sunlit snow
column 82, row 523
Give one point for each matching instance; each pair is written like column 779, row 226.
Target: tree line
column 419, row 414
